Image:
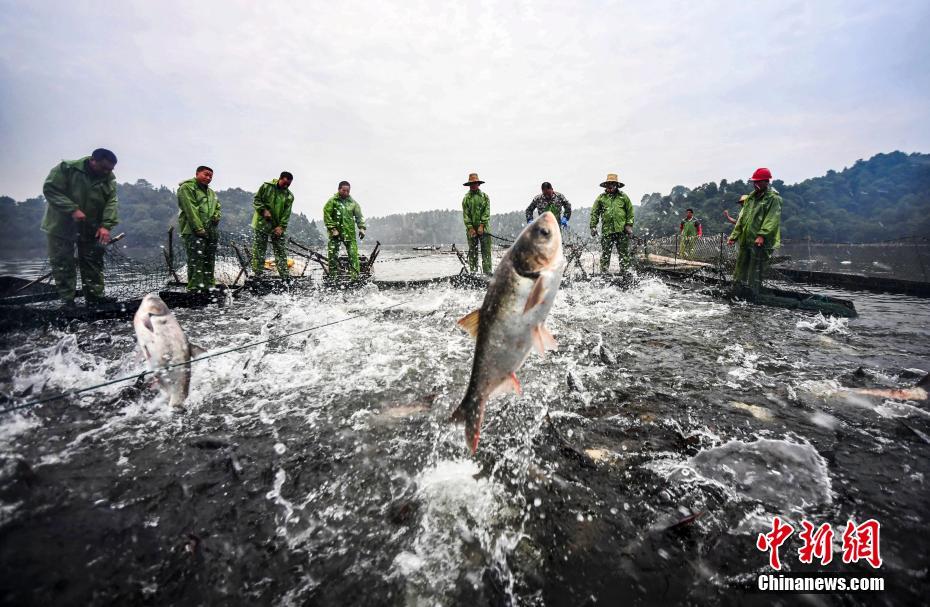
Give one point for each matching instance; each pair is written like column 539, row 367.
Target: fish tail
column 471, row 411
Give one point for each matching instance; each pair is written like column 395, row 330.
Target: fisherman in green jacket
column 272, row 203
column 341, row 215
column 758, row 232
column 615, row 212
column 476, row 211
column 82, row 209
column 198, row 217
column 690, row 230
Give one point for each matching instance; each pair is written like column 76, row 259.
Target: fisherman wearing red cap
column 758, row 231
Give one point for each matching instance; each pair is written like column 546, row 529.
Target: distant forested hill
column 145, row 214
column 885, row 197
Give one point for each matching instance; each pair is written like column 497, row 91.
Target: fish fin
column 543, row 339
column 145, row 354
column 473, row 415
column 469, row 322
column 510, row 384
column 196, row 350
column 537, row 295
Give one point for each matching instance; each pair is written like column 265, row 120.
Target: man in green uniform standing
column 615, row 212
column 342, row 214
column 690, row 230
column 758, row 232
column 82, row 209
column 272, row 203
column 198, row 218
column 476, row 211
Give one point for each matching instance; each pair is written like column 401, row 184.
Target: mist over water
column 322, row 469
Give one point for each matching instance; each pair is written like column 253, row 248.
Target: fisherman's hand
column 361, row 234
column 334, row 232
column 278, row 231
column 594, row 232
column 103, row 235
column 628, row 229
column 481, row 230
column 727, row 214
column 760, row 240
column 78, row 215
column 564, row 222
column 472, row 233
column 266, row 214
column 216, row 221
column 731, row 242
column 201, row 233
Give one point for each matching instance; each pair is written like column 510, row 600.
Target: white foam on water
column 457, row 531
column 827, row 325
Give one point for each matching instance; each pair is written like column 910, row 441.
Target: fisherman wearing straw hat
column 476, row 211
column 615, row 212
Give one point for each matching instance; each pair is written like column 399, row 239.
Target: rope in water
column 139, row 376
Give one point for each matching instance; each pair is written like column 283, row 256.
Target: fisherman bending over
column 476, row 211
column 342, row 214
column 272, row 203
column 615, row 212
column 82, row 209
column 758, row 232
column 198, row 218
column 690, row 230
column 553, row 201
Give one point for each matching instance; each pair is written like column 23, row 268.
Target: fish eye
column 544, row 231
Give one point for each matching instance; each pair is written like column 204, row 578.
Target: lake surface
column 322, row 469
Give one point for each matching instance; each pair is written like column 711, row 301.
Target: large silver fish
column 163, row 343
column 511, row 320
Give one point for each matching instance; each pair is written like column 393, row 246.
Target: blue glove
column 564, row 221
column 529, row 221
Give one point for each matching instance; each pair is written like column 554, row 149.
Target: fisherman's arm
column 186, row 204
column 628, row 228
column 216, row 213
column 737, row 227
column 466, row 214
column 770, row 224
column 328, row 219
column 286, row 212
column 56, row 184
column 485, row 211
column 111, row 208
column 260, row 202
column 529, row 211
column 567, row 206
column 359, row 220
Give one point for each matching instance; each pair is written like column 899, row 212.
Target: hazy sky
column 404, row 99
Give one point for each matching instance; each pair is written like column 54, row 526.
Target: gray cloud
column 405, row 98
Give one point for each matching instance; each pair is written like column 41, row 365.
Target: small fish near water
column 163, row 343
column 511, row 319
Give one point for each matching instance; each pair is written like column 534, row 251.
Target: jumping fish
column 511, row 319
column 164, row 344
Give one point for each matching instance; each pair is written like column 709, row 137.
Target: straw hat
column 612, row 178
column 473, row 178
